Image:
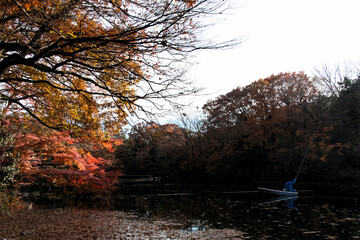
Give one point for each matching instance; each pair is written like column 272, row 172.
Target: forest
column 260, row 131
column 71, row 74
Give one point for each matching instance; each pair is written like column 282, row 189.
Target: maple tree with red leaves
column 80, row 67
column 53, row 158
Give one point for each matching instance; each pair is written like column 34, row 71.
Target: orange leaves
column 27, row 6
column 79, row 65
column 111, row 144
column 60, row 160
column 189, row 3
column 18, row 7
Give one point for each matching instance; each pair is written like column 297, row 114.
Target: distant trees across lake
column 258, row 131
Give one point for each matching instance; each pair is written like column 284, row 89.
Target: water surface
column 188, row 215
column 258, row 216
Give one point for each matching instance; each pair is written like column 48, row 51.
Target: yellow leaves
column 27, row 6
column 55, row 107
column 86, row 84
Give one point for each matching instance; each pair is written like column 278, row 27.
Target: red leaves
column 55, row 158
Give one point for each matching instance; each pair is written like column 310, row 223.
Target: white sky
column 278, row 36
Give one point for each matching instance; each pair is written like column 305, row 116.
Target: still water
column 240, row 214
column 258, row 216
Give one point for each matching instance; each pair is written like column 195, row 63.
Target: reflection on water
column 290, row 204
column 289, row 201
column 259, row 217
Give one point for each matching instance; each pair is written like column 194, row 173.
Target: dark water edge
column 322, row 211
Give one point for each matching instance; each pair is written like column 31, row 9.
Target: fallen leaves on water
column 97, row 224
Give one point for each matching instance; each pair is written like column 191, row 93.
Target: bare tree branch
column 97, row 57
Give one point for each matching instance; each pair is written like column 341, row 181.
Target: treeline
column 260, row 131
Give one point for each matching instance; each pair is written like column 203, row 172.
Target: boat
column 278, row 199
column 277, row 192
column 288, row 191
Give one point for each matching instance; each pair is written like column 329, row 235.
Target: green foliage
column 8, row 156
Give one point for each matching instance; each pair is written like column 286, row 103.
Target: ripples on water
column 260, row 217
column 257, row 216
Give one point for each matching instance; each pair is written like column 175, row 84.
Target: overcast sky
column 278, row 36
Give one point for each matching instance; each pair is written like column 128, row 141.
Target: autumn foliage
column 259, row 131
column 56, row 159
column 32, row 155
column 78, row 65
column 153, row 149
column 72, row 71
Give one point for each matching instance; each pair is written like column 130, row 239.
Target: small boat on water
column 277, row 192
column 275, row 199
column 288, row 190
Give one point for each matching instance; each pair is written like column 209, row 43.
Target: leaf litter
column 97, row 224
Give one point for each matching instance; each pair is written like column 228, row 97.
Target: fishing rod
column 302, row 162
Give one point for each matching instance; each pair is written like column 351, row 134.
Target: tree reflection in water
column 206, row 215
column 257, row 217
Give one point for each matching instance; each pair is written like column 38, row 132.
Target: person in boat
column 288, row 186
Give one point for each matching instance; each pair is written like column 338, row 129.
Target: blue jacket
column 288, row 186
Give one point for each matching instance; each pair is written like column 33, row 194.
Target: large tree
column 264, row 122
column 84, row 64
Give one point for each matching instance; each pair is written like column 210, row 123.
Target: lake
column 190, row 215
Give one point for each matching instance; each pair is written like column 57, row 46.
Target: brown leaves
column 97, row 224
